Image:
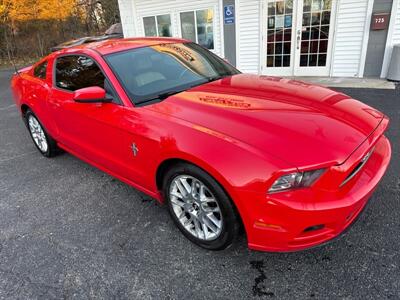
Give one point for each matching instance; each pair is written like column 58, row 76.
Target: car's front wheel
column 200, row 208
column 46, row 145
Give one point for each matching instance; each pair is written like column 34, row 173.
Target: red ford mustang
column 292, row 163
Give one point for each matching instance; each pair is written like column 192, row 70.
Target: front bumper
column 303, row 218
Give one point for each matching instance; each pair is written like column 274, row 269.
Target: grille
column 358, row 167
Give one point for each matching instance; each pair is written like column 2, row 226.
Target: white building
column 278, row 37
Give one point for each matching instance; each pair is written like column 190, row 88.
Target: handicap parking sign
column 229, row 14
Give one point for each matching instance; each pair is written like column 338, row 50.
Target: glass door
column 313, row 38
column 297, row 37
column 279, row 33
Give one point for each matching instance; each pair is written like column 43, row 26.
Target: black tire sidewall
column 230, row 225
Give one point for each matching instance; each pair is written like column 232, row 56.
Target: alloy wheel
column 37, row 133
column 196, row 207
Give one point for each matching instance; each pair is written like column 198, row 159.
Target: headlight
column 295, row 180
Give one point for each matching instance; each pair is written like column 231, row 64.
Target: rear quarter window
column 40, row 70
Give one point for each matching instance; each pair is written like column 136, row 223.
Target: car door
column 92, row 131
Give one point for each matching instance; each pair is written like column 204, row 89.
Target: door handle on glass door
column 298, row 39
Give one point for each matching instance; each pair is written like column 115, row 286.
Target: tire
column 191, row 212
column 46, row 145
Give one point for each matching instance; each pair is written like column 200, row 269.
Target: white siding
column 248, row 35
column 127, row 18
column 348, row 46
column 146, row 8
column 396, row 31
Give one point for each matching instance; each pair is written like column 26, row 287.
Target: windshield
column 156, row 72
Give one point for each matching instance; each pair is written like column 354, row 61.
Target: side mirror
column 93, row 94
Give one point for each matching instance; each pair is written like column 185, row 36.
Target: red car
column 292, row 163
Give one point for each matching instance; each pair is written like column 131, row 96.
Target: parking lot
column 67, row 230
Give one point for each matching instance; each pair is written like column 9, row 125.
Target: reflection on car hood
column 301, row 123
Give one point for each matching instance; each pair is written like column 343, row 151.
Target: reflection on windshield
column 158, row 71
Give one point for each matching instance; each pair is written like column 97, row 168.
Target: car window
column 75, row 72
column 40, row 70
column 147, row 72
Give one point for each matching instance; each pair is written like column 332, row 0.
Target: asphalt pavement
column 67, row 230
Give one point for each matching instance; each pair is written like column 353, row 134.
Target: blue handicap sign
column 229, row 14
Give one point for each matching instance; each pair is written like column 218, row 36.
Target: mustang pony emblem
column 135, row 149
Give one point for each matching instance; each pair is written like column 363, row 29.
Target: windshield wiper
column 165, row 95
column 213, row 78
column 217, row 77
column 161, row 96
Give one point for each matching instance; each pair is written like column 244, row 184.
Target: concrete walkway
column 371, row 83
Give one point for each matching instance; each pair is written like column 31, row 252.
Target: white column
column 128, row 17
column 393, row 36
column 365, row 38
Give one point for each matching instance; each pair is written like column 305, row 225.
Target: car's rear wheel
column 200, row 207
column 46, row 145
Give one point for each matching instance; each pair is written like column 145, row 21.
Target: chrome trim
column 355, row 171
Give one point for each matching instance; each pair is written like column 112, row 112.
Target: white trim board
column 237, row 33
column 389, row 38
column 364, row 48
column 221, row 24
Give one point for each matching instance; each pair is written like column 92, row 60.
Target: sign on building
column 229, row 14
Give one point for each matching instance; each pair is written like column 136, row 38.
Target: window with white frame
column 157, row 25
column 198, row 26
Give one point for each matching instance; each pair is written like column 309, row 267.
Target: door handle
column 298, row 39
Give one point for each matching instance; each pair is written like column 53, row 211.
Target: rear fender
column 33, row 93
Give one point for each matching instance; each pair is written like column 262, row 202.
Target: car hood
column 301, row 123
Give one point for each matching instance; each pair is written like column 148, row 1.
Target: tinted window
column 40, row 70
column 77, row 72
column 164, row 25
column 150, row 28
column 148, row 72
column 188, row 26
column 162, row 28
column 203, row 33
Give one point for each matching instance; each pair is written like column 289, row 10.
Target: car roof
column 117, row 45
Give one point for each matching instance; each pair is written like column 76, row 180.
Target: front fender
column 237, row 167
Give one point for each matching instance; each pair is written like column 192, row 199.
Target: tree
column 44, row 23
